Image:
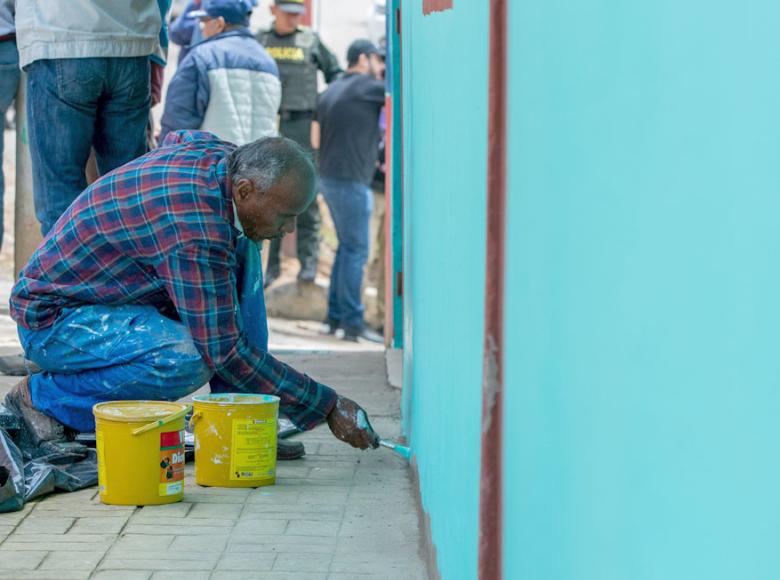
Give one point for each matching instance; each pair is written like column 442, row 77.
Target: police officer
column 299, row 52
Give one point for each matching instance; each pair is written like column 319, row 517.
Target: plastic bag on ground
column 30, row 472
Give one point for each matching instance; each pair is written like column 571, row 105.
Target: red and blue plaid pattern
column 159, row 231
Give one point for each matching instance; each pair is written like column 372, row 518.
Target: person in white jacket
column 227, row 84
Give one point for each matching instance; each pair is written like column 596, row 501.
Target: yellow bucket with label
column 235, row 439
column 140, row 449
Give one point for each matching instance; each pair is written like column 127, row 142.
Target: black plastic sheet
column 28, row 472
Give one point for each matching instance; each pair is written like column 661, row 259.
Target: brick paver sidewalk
column 337, row 514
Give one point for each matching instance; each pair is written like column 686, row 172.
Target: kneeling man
column 149, row 286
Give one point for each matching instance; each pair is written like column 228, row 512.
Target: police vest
column 295, row 56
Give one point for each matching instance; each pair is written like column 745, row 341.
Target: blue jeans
column 97, row 353
column 9, row 83
column 74, row 105
column 350, row 204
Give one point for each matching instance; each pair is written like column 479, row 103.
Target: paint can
column 140, row 449
column 235, row 439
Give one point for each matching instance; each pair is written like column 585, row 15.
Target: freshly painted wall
column 642, row 374
column 445, row 131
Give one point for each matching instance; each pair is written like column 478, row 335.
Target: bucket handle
column 195, row 416
column 163, row 421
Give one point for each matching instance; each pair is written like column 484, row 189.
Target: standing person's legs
column 123, row 113
column 62, row 101
column 101, row 353
column 309, row 222
column 350, row 205
column 9, row 83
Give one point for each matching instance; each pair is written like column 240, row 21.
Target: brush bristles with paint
column 403, row 451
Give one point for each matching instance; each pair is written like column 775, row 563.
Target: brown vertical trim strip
column 491, row 504
column 307, row 16
column 431, row 6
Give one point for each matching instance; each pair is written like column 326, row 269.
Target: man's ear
column 243, row 189
column 222, row 24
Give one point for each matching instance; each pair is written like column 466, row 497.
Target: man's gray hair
column 267, row 160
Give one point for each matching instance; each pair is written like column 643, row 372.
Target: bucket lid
column 235, row 399
column 136, row 411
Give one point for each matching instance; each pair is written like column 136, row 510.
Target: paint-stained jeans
column 9, row 82
column 97, row 353
column 73, row 105
column 350, row 204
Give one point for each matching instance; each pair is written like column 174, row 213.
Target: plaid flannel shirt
column 160, row 231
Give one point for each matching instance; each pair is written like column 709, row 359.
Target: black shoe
column 364, row 335
column 288, row 450
column 308, row 273
column 40, row 427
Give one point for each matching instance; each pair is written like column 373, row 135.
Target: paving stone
column 302, row 562
column 144, row 541
column 387, row 562
column 313, row 528
column 158, row 512
column 53, row 545
column 210, row 510
column 11, row 559
column 294, row 513
column 70, row 537
column 341, row 576
column 224, row 575
column 253, row 525
column 248, row 560
column 45, row 525
column 200, row 543
column 65, row 560
column 100, row 525
column 178, row 575
column 13, row 518
column 144, row 562
column 304, row 543
column 180, row 530
column 123, row 575
column 44, row 574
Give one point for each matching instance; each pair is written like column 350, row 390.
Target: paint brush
column 403, row 451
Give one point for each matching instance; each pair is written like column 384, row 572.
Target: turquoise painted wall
column 643, row 291
column 445, row 113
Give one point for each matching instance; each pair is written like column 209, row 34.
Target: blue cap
column 233, row 11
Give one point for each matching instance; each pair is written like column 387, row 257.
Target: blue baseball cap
column 233, row 11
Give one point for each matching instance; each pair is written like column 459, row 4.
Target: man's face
column 286, row 22
column 271, row 214
column 377, row 66
column 211, row 26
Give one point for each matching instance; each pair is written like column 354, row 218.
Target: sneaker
column 40, row 426
column 364, row 335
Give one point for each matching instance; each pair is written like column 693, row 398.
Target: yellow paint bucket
column 235, row 439
column 140, row 448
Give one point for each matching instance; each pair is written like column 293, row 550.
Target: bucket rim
column 99, row 410
column 235, row 399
